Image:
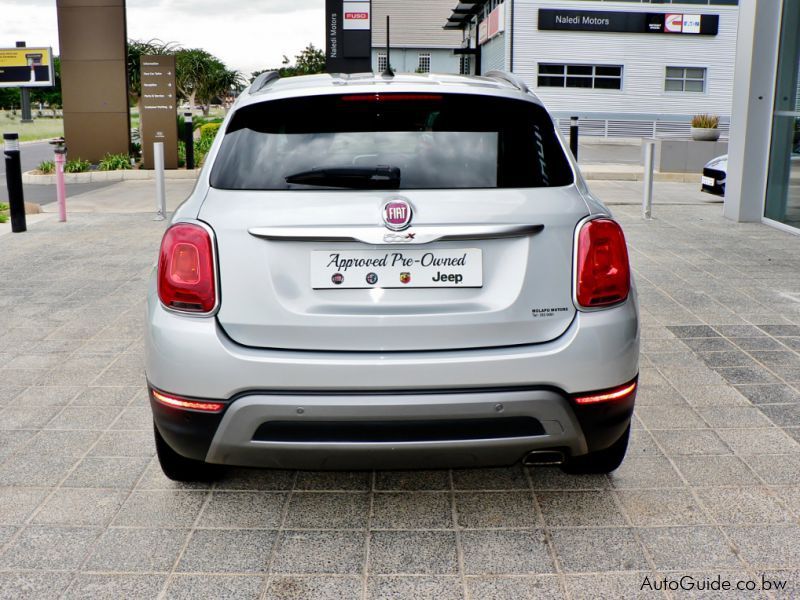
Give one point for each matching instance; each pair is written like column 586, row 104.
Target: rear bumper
column 234, row 438
column 719, row 177
column 192, row 357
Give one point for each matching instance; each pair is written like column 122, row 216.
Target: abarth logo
column 405, row 277
column 397, row 214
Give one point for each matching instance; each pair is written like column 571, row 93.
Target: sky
column 247, row 35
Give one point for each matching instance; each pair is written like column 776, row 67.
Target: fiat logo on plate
column 397, row 214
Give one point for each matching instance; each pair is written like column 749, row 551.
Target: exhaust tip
column 538, row 458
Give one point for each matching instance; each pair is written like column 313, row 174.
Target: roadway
column 31, row 155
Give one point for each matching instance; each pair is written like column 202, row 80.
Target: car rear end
column 391, row 273
column 714, row 176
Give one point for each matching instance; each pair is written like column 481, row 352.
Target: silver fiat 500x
column 391, row 272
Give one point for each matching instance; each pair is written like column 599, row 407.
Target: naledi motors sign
column 627, row 22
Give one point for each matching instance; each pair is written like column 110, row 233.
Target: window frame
column 593, row 77
column 683, row 78
column 423, row 56
column 382, row 57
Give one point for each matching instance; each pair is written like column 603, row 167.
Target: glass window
column 424, row 63
column 685, row 79
column 434, row 140
column 606, row 77
column 382, row 62
column 551, row 69
column 783, row 179
column 465, row 65
column 579, row 69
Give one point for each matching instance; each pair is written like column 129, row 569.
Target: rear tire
column 600, row 461
column 180, row 468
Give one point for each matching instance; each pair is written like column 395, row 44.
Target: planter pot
column 705, row 134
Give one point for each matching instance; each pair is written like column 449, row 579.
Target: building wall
column 414, row 23
column 644, row 58
column 406, row 60
column 493, row 54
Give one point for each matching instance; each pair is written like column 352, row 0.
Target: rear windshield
column 407, row 141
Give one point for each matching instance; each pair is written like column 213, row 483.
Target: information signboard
column 26, row 67
column 158, row 121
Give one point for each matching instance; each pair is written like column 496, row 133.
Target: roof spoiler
column 263, row 80
column 509, row 78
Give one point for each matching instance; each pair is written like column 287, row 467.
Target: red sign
column 673, row 23
column 361, row 15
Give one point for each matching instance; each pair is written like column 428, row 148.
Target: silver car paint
column 195, row 357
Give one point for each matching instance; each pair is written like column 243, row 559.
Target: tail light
column 613, row 395
column 186, row 403
column 603, row 275
column 186, row 269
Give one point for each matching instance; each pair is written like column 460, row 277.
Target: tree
column 203, row 77
column 311, row 60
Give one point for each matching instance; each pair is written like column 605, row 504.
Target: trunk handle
column 422, row 234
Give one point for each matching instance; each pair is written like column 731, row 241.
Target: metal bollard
column 188, row 139
column 60, row 157
column 16, row 198
column 647, row 200
column 573, row 136
column 161, row 195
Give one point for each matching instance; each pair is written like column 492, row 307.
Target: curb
column 96, row 176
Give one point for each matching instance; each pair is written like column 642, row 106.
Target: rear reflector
column 186, row 269
column 186, row 404
column 611, row 395
column 603, row 273
column 391, row 97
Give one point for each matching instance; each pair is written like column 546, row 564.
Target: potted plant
column 705, row 128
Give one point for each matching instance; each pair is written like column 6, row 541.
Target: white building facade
column 418, row 42
column 625, row 68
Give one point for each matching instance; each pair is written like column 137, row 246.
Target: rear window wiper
column 380, row 177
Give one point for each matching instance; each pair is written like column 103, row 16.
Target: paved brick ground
column 710, row 486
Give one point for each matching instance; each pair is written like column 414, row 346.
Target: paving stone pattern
column 710, row 486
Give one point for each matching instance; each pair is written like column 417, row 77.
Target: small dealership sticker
column 372, row 278
column 337, row 278
column 405, row 277
column 397, row 214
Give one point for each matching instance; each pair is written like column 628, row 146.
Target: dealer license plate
column 396, row 268
column 709, row 181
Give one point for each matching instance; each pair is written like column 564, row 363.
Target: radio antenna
column 388, row 72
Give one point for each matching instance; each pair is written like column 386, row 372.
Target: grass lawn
column 40, row 129
column 45, row 128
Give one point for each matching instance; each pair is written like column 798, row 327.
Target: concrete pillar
column 751, row 117
column 94, row 81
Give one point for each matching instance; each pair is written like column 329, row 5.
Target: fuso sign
column 356, row 15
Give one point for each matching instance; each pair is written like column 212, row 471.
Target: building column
column 751, row 116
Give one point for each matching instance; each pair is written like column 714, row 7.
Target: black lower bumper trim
column 397, row 431
column 605, row 422
column 187, row 432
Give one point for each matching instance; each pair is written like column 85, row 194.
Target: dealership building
column 635, row 69
column 419, row 44
column 629, row 69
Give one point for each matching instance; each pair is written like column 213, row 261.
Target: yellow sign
column 26, row 67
